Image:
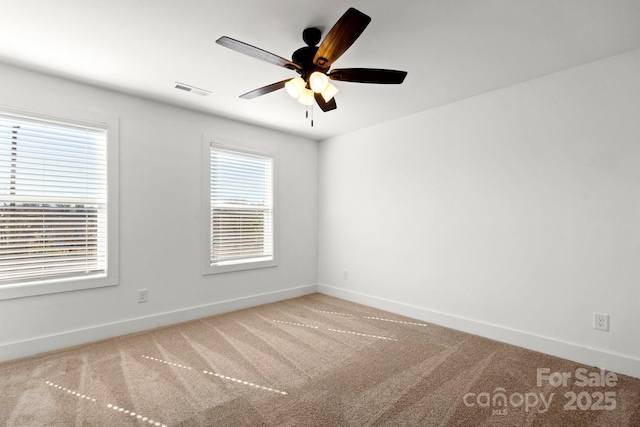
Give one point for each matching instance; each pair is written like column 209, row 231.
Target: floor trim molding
column 73, row 338
column 571, row 351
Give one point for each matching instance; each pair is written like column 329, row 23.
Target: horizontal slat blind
column 52, row 200
column 241, row 207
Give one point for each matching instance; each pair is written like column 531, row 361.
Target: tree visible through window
column 53, row 200
column 241, row 207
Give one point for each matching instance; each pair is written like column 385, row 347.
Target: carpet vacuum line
column 221, row 376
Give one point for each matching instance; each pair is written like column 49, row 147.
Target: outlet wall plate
column 142, row 295
column 601, row 322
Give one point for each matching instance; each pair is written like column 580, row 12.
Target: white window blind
column 241, row 207
column 53, row 196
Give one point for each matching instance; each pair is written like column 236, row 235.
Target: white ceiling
column 452, row 49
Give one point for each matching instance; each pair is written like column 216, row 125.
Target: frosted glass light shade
column 318, row 81
column 306, row 97
column 295, row 87
column 329, row 92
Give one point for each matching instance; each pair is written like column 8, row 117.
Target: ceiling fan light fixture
column 295, row 87
column 306, row 97
column 318, row 81
column 329, row 92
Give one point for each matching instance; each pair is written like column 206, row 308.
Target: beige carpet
column 309, row 361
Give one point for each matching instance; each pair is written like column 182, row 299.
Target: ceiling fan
column 313, row 62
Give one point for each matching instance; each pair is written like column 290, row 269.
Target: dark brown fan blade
column 369, row 75
column 324, row 105
column 264, row 90
column 255, row 52
column 340, row 37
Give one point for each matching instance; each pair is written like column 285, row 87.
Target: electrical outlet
column 142, row 295
column 601, row 322
column 345, row 275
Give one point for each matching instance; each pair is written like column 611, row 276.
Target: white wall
column 160, row 228
column 514, row 214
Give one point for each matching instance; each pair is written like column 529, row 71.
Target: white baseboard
column 571, row 351
column 96, row 333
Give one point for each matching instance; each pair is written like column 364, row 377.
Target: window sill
column 30, row 289
column 238, row 266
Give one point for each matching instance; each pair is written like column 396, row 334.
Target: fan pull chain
column 307, row 114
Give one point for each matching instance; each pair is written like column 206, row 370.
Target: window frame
column 110, row 277
column 240, row 147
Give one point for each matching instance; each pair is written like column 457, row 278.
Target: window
column 54, row 206
column 240, row 215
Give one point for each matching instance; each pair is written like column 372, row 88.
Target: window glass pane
column 241, row 214
column 53, row 195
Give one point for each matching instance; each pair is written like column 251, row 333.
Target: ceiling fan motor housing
column 305, row 55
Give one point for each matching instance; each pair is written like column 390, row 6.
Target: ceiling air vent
column 192, row 89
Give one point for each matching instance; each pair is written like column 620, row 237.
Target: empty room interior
column 185, row 243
